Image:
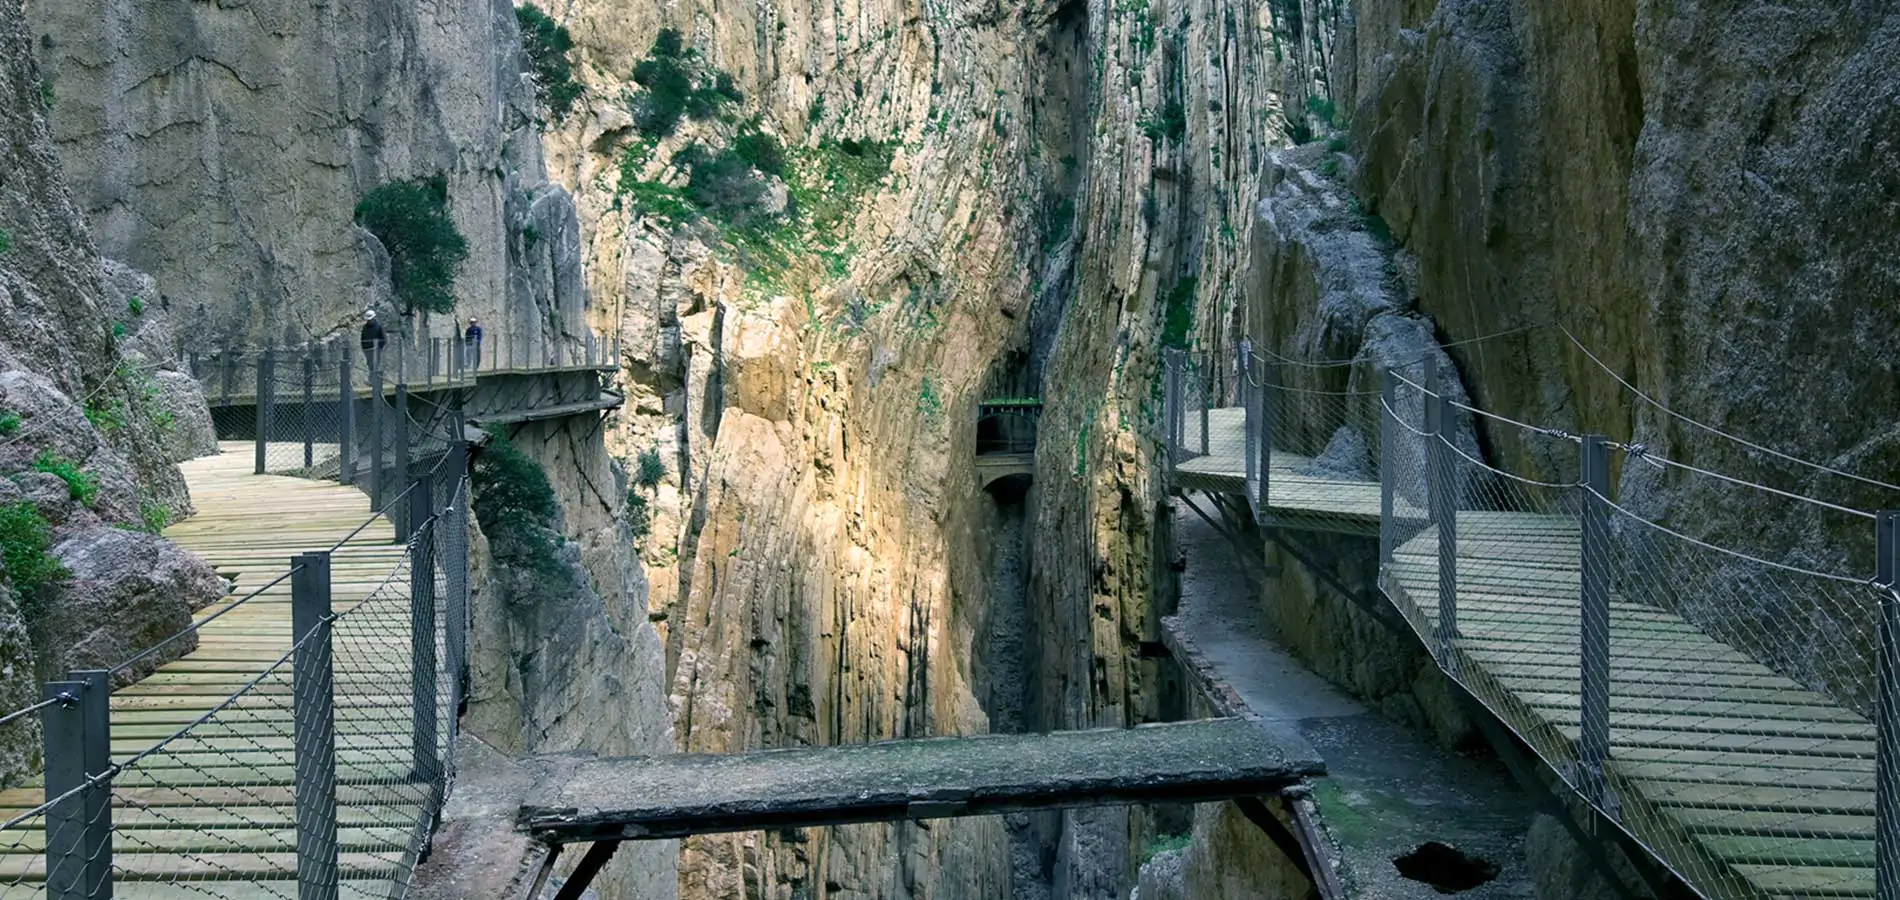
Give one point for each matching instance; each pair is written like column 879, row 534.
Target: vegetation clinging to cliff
column 515, row 505
column 547, row 44
column 24, row 539
column 426, row 251
column 677, row 85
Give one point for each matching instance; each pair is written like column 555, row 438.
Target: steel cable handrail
column 1737, row 554
column 18, row 713
column 111, row 771
column 1343, row 363
column 1717, row 431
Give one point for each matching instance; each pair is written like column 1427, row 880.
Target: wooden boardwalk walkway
column 1297, row 488
column 1747, row 782
column 212, row 813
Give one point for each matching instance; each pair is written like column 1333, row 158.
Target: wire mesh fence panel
column 390, row 736
column 305, row 416
column 1316, row 452
column 1741, row 706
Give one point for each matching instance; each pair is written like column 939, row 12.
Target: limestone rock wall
column 818, row 538
column 222, row 147
column 83, row 431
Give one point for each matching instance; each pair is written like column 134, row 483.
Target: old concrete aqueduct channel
column 953, row 450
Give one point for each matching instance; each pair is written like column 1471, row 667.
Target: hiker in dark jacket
column 373, row 339
column 472, row 343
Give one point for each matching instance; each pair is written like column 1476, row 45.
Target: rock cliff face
column 223, row 148
column 1064, row 174
column 86, row 433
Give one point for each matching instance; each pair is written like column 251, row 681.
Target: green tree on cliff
column 426, row 251
column 547, row 44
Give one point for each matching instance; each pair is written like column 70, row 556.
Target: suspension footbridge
column 1718, row 707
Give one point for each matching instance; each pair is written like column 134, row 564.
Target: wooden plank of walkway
column 1747, row 781
column 212, row 814
column 673, row 796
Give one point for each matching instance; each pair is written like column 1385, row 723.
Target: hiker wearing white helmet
column 373, row 338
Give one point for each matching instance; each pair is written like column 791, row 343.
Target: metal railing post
column 377, row 414
column 423, row 760
column 456, row 568
column 1388, row 431
column 1171, row 405
column 266, row 366
column 78, row 747
column 62, row 728
column 399, row 418
column 1887, row 708
column 1207, row 403
column 346, row 429
column 1269, row 397
column 309, row 421
column 1249, row 422
column 95, row 710
column 1593, row 746
column 313, row 698
column 1442, row 506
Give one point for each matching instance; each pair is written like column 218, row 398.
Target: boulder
column 52, row 424
column 127, row 591
column 191, row 433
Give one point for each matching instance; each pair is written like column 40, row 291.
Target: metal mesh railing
column 1290, row 438
column 1716, row 705
column 266, row 767
column 234, row 379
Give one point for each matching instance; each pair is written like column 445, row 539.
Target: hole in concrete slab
column 1447, row 869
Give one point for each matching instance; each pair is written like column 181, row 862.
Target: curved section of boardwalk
column 1746, row 782
column 212, row 812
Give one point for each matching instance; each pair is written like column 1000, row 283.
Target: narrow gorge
column 895, row 319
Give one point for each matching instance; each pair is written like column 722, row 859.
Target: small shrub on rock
column 677, row 85
column 83, row 485
column 761, row 151
column 515, row 506
column 24, row 539
column 649, row 469
column 723, row 185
